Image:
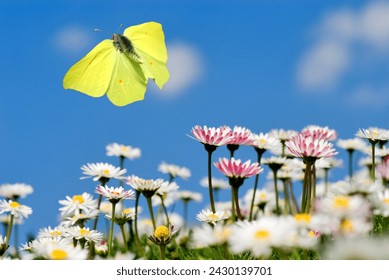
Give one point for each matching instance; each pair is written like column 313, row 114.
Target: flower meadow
column 298, row 214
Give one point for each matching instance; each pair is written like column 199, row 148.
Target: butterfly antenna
column 120, row 27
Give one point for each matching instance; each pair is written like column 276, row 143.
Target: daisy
column 14, row 208
column 211, row 217
column 80, row 218
column 62, row 250
column 74, row 205
column 258, row 237
column 265, row 141
column 174, row 170
column 309, row 147
column 147, row 187
column 373, row 134
column 15, row 191
column 114, row 194
column 353, row 144
column 123, row 216
column 190, row 196
column 119, row 150
column 239, row 136
column 211, row 138
column 237, row 172
column 102, row 171
column 162, row 236
column 53, row 233
column 205, row 236
column 85, row 234
column 234, row 168
column 320, row 132
column 211, row 135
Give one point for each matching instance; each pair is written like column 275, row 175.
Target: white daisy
column 354, row 144
column 217, row 183
column 120, row 150
column 147, row 187
column 123, row 216
column 374, row 134
column 210, row 217
column 205, row 236
column 79, row 233
column 80, row 218
column 52, row 233
column 77, row 203
column 15, row 209
column 59, row 251
column 265, row 141
column 15, row 191
column 188, row 196
column 102, row 170
column 174, row 170
column 258, row 237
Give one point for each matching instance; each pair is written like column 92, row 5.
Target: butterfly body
column 122, row 66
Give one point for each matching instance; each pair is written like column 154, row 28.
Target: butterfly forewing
column 92, row 74
column 149, row 42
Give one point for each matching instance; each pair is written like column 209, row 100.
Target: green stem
column 326, row 181
column 350, row 164
column 185, row 212
column 162, row 251
column 233, row 215
column 124, row 237
column 150, row 206
column 110, row 243
column 373, row 143
column 276, row 191
column 165, row 210
column 9, row 231
column 313, row 198
column 236, row 198
column 287, row 205
column 137, row 239
column 259, row 156
column 210, row 181
column 98, row 208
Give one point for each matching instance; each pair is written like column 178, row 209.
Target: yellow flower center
column 375, row 133
column 127, row 211
column 223, row 234
column 14, row 204
column 213, row 217
column 148, row 222
column 346, row 226
column 58, row 254
column 311, row 234
column 78, row 198
column 115, row 193
column 386, row 200
column 341, row 202
column 123, row 148
column 55, row 233
column 105, row 171
column 262, row 234
column 84, row 232
column 263, row 196
column 302, row 218
column 162, row 232
column 262, row 141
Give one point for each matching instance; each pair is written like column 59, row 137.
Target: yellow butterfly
column 122, row 66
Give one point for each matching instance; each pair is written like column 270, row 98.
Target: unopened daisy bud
column 162, row 235
column 3, row 246
column 101, row 248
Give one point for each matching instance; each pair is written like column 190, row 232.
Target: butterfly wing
column 92, row 74
column 149, row 42
column 127, row 83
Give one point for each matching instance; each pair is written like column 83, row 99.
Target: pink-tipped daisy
column 240, row 136
column 211, row 135
column 234, row 168
column 304, row 146
column 319, row 132
column 115, row 194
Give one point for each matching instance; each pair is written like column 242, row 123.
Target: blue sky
column 258, row 64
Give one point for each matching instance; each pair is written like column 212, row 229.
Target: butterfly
column 122, row 66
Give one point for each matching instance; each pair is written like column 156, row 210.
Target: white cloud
column 73, row 39
column 185, row 67
column 342, row 39
column 366, row 96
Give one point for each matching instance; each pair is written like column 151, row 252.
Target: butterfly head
column 124, row 45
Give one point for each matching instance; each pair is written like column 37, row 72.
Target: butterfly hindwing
column 92, row 74
column 149, row 42
column 128, row 82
